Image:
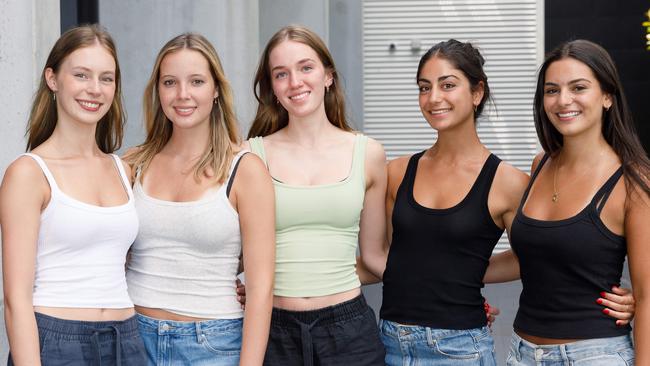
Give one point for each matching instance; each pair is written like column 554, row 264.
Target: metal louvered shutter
column 509, row 34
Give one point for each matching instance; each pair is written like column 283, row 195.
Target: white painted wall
column 28, row 29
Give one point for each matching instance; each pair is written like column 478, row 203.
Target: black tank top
column 438, row 257
column 565, row 264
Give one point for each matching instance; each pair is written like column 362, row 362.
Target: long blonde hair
column 216, row 159
column 271, row 116
column 43, row 116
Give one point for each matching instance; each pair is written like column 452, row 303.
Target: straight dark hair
column 618, row 127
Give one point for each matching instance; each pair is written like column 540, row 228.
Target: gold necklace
column 556, row 194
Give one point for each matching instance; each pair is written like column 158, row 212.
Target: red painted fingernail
column 606, row 311
column 599, row 301
column 618, row 323
column 602, row 294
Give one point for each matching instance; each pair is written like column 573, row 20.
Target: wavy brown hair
column 43, row 116
column 271, row 116
column 618, row 127
column 216, row 159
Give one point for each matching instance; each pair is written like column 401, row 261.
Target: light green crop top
column 317, row 231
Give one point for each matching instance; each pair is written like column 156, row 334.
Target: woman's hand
column 619, row 304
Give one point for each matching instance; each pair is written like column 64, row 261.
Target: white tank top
column 82, row 249
column 186, row 256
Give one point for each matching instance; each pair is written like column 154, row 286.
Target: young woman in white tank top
column 202, row 203
column 68, row 218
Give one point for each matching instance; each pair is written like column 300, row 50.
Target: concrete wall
column 141, row 28
column 28, row 29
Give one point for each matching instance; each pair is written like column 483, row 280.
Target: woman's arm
column 637, row 232
column 23, row 194
column 372, row 231
column 255, row 202
column 507, row 189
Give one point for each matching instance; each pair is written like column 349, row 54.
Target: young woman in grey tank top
column 198, row 214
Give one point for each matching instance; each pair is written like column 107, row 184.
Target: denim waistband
column 85, row 330
column 407, row 332
column 569, row 351
column 168, row 327
column 324, row 316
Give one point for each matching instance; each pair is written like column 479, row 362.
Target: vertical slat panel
column 508, row 34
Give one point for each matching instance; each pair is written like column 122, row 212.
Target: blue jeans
column 210, row 342
column 82, row 343
column 612, row 351
column 410, row 345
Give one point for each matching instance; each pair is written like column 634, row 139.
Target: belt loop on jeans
column 118, row 344
column 565, row 357
column 517, row 348
column 307, row 344
column 199, row 332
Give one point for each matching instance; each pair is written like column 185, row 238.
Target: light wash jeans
column 172, row 343
column 411, row 345
column 613, row 351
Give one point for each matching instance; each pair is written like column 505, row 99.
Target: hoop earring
column 475, row 108
column 216, row 99
column 327, row 89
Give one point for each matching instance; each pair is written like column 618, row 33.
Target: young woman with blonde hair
column 202, row 202
column 68, row 218
column 329, row 185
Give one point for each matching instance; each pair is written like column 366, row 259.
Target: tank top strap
column 600, row 198
column 54, row 188
column 408, row 180
column 486, row 176
column 532, row 180
column 359, row 157
column 257, row 147
column 233, row 169
column 126, row 181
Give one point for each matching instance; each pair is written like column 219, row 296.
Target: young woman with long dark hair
column 578, row 219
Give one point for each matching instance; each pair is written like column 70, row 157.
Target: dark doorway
column 76, row 12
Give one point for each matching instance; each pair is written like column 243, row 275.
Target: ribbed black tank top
column 438, row 257
column 565, row 264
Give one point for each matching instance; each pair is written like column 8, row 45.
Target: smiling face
column 84, row 85
column 186, row 88
column 446, row 97
column 573, row 98
column 299, row 79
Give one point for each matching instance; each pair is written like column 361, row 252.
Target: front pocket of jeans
column 459, row 346
column 222, row 344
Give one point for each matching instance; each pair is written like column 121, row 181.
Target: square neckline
column 351, row 172
column 589, row 210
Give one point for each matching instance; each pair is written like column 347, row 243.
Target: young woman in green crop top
column 330, row 184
